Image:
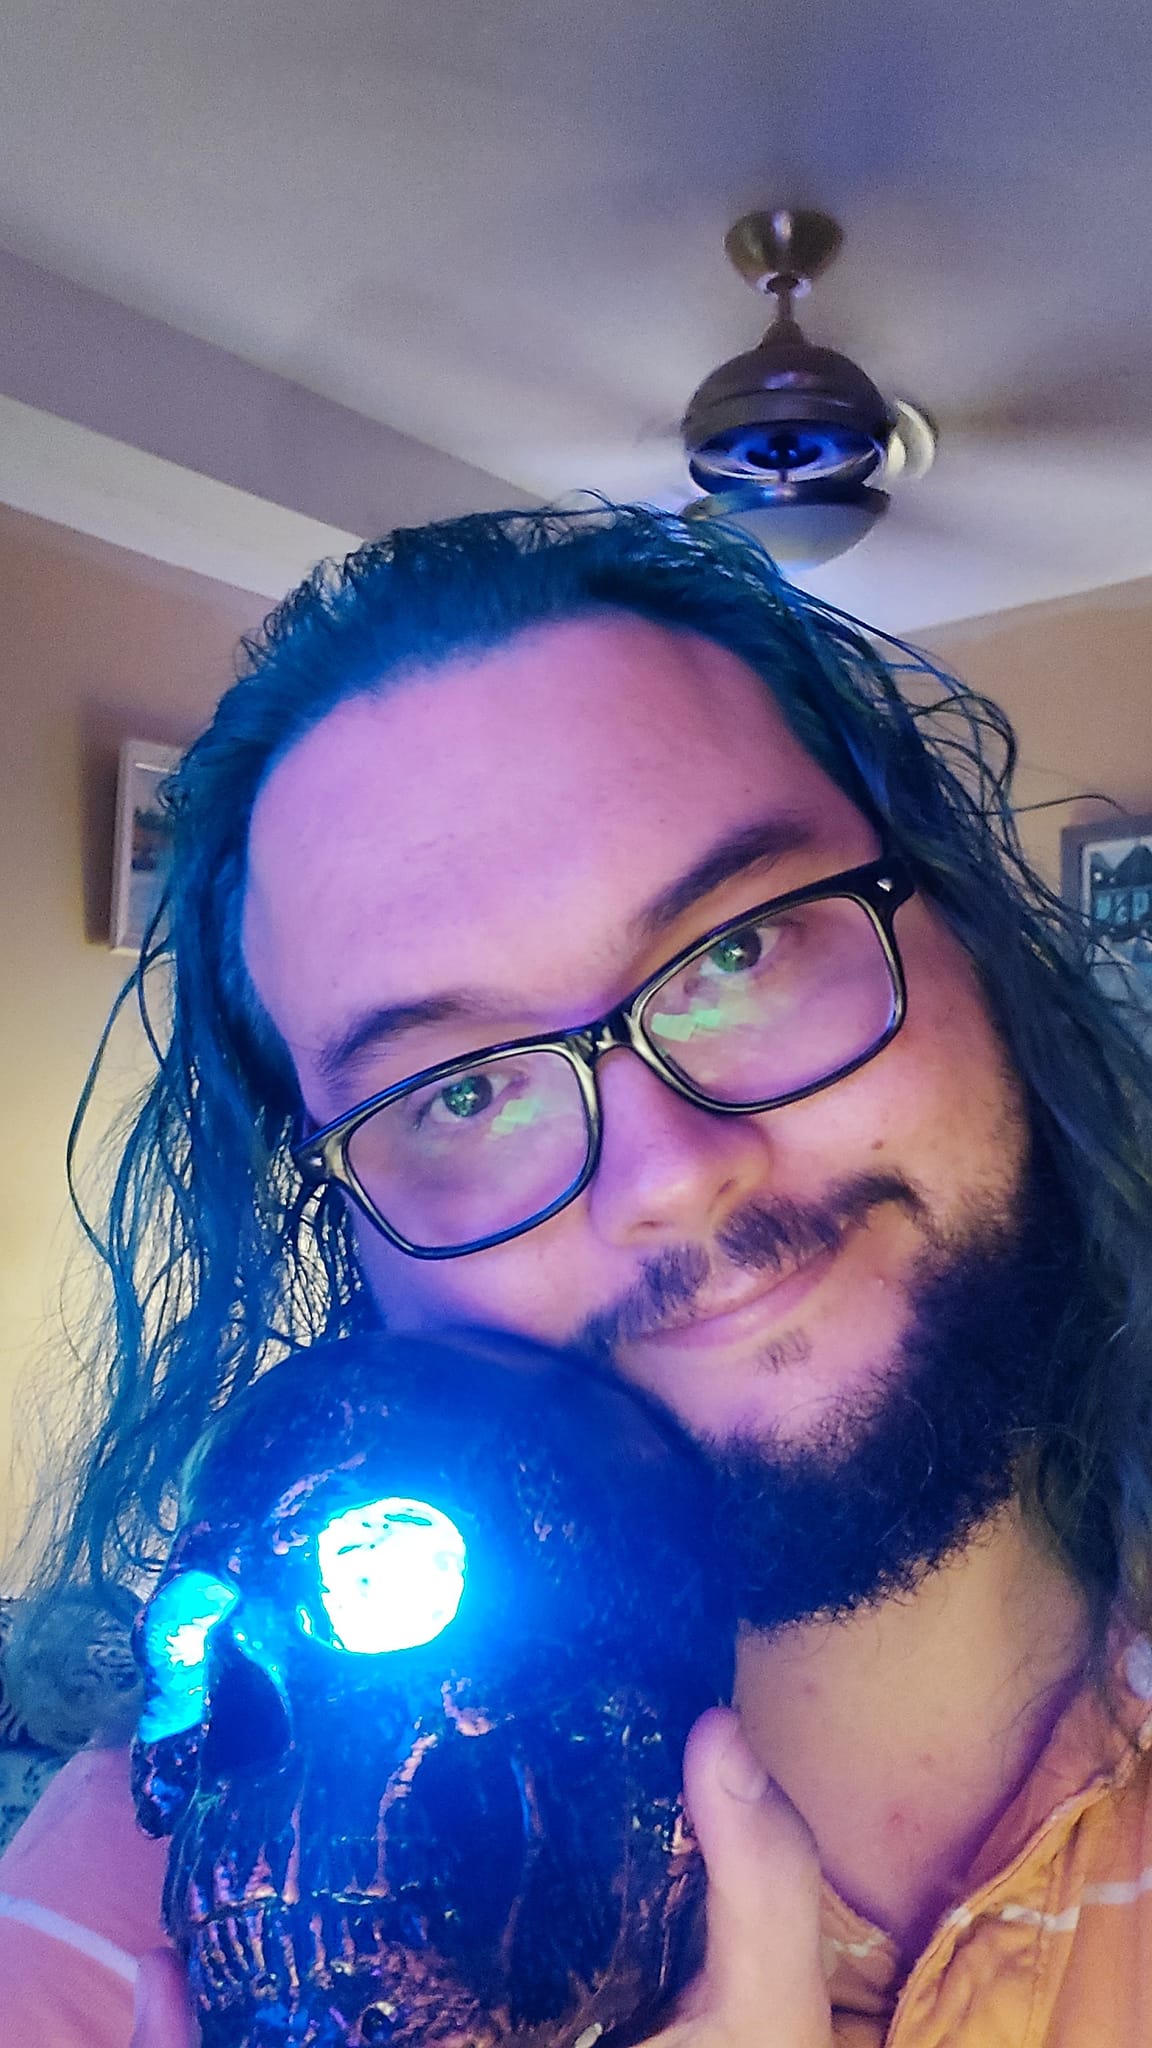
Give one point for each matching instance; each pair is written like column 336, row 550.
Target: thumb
column 763, row 1956
column 162, row 2013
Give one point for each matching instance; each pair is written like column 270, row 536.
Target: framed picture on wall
column 143, row 843
column 1107, row 875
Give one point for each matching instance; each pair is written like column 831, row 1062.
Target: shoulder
column 81, row 1853
column 80, row 1889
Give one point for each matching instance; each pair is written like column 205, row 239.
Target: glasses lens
column 477, row 1154
column 777, row 1005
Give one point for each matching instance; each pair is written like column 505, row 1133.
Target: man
column 575, row 931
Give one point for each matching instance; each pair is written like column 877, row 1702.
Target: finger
column 763, row 1956
column 162, row 2014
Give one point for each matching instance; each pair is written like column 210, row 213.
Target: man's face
column 497, row 836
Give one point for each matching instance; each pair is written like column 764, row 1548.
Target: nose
column 669, row 1173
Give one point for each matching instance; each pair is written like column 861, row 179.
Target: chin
column 797, row 1383
column 844, row 1483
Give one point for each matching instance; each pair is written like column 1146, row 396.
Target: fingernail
column 739, row 1772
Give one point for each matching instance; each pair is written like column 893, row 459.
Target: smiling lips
column 761, row 1299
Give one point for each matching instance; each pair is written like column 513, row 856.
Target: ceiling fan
column 1029, row 478
column 792, row 441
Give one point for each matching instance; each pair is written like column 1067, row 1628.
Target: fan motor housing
column 788, row 416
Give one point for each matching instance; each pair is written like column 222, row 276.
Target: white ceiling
column 496, row 225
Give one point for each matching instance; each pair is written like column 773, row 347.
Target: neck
column 904, row 1732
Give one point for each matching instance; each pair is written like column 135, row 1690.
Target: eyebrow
column 756, row 846
column 387, row 1022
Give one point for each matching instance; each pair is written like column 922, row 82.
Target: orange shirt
column 1052, row 1945
column 1051, row 1948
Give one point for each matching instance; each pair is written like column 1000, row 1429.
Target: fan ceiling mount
column 783, row 250
column 792, row 440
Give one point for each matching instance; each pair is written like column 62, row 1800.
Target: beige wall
column 97, row 645
column 1075, row 677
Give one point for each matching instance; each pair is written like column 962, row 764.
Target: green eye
column 468, row 1096
column 736, row 953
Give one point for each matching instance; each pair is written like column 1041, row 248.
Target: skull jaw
column 513, row 1886
column 328, row 1973
column 568, row 1911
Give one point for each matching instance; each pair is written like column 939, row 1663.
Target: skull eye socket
column 377, row 2023
column 392, row 1576
column 178, row 1621
column 247, row 1719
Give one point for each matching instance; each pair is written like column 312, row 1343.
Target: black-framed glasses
column 765, row 1009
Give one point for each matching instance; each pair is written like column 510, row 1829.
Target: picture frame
column 142, row 849
column 1106, row 874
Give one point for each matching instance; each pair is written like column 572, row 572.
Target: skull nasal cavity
column 247, row 1720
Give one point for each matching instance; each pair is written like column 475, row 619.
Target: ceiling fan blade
column 999, row 524
column 1087, row 391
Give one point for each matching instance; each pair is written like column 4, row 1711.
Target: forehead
column 496, row 822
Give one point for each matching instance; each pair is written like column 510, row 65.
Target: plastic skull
column 420, row 1670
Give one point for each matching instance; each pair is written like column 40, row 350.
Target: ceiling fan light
column 799, row 533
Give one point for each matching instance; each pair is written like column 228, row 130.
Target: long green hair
column 215, row 1257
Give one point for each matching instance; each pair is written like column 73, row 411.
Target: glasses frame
column 880, row 887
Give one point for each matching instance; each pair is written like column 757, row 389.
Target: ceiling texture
column 496, row 227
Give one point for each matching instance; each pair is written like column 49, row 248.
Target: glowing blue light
column 392, row 1575
column 255, row 1633
column 178, row 1622
column 185, row 1645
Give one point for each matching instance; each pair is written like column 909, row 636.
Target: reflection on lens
column 774, row 1008
column 476, row 1153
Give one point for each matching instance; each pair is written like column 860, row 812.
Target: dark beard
column 901, row 1475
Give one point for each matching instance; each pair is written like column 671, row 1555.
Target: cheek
column 530, row 1286
column 939, row 1107
column 945, row 1102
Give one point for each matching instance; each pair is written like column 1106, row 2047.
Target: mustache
column 762, row 1237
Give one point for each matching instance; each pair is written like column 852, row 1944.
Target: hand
column 763, row 1982
column 163, row 2016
